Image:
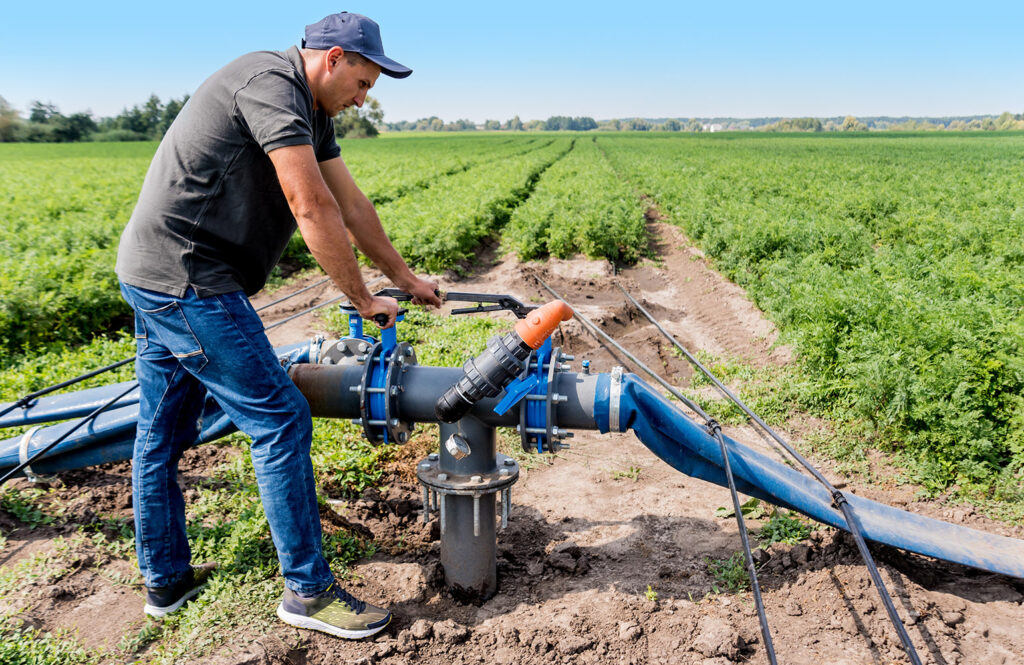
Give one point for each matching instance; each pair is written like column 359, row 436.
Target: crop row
column 62, row 209
column 579, row 205
column 895, row 266
column 387, row 170
column 439, row 227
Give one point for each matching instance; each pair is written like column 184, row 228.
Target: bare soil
column 605, row 557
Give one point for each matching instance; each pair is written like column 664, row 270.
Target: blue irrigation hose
column 716, row 431
column 837, row 497
column 89, row 418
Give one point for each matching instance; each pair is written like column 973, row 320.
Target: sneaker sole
column 161, row 612
column 310, row 623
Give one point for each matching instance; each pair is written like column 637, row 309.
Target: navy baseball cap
column 356, row 33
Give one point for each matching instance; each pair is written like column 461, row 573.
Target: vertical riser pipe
column 469, row 561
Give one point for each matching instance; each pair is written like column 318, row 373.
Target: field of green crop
column 893, row 264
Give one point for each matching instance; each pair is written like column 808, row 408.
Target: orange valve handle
column 541, row 322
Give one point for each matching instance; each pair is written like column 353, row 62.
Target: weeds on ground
column 21, row 646
column 632, row 474
column 24, row 505
column 753, row 508
column 651, row 594
column 730, row 574
column 783, row 527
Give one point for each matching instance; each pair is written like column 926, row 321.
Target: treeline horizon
column 149, row 121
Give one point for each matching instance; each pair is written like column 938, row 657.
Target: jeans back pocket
column 167, row 324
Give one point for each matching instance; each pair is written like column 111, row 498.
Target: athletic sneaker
column 161, row 601
column 334, row 612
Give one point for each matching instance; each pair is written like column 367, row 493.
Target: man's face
column 347, row 84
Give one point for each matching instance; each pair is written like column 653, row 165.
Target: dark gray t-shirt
column 211, row 214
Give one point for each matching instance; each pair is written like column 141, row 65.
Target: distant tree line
column 45, row 123
column 150, row 121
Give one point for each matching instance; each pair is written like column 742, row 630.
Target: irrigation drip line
column 316, row 307
column 837, row 497
column 74, row 428
column 28, row 399
column 292, row 295
column 716, row 431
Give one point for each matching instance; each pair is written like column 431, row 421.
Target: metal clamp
column 379, row 391
column 614, row 397
column 23, row 458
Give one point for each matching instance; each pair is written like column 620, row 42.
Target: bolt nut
column 394, row 422
column 504, row 472
column 509, row 461
column 475, row 479
column 442, row 476
column 432, row 457
column 403, row 437
column 394, row 390
column 424, row 466
column 363, row 347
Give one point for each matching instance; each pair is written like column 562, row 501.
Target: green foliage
column 439, row 227
column 753, row 508
column 580, row 205
column 62, row 209
column 783, row 527
column 651, row 594
column 23, row 506
column 730, row 574
column 896, row 277
column 633, row 473
column 20, row 646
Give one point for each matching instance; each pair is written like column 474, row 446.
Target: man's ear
column 334, row 56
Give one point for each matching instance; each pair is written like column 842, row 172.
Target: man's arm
column 323, row 227
column 364, row 225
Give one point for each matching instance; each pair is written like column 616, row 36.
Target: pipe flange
column 403, row 357
column 549, row 410
column 374, row 428
column 429, row 473
column 345, row 351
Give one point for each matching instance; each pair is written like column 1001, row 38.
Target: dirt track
column 593, row 530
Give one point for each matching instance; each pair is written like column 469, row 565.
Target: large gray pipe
column 328, row 388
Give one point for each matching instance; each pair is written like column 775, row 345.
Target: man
column 251, row 156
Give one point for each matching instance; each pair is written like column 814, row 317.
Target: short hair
column 351, row 57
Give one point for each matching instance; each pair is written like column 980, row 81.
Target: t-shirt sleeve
column 327, row 148
column 274, row 109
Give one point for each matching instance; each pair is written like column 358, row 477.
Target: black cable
column 28, row 399
column 755, row 587
column 292, row 295
column 837, row 497
column 49, row 447
column 716, row 431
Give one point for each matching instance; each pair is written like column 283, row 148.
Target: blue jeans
column 190, row 348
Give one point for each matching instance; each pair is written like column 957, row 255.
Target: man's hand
column 422, row 291
column 380, row 305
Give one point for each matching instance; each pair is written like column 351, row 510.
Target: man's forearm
column 324, row 233
column 363, row 223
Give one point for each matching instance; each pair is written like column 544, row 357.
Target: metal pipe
column 468, row 547
column 329, row 390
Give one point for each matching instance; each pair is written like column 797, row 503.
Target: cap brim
column 388, row 66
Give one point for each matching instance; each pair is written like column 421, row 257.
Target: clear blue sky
column 485, row 60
